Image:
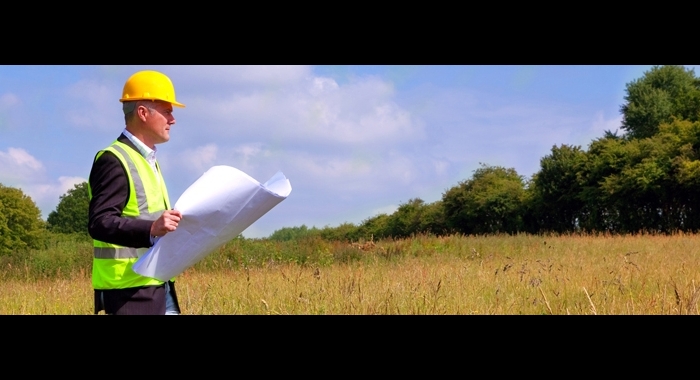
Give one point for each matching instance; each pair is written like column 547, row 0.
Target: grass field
column 523, row 274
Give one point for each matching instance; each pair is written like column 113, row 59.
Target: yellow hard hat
column 149, row 85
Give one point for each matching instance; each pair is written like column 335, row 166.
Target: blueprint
column 216, row 208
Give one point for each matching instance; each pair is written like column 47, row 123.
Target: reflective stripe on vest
column 116, row 253
column 136, row 183
column 148, row 198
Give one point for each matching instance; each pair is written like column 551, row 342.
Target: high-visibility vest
column 148, row 198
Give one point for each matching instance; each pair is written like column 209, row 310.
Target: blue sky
column 354, row 141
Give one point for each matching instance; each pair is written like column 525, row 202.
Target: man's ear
column 142, row 112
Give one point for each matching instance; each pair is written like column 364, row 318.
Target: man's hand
column 166, row 223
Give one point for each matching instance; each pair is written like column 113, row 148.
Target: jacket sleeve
column 110, row 192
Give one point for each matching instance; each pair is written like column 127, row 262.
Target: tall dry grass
column 523, row 274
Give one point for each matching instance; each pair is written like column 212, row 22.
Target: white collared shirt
column 147, row 153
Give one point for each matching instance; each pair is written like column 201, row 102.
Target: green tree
column 406, row 220
column 606, row 157
column 416, row 216
column 433, row 219
column 663, row 92
column 376, row 227
column 555, row 203
column 632, row 185
column 71, row 214
column 293, row 233
column 665, row 172
column 686, row 171
column 491, row 201
column 21, row 225
column 344, row 232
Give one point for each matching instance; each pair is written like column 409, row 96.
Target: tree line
column 647, row 179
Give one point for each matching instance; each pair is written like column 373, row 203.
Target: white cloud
column 319, row 85
column 200, row 158
column 273, row 105
column 67, row 183
column 19, row 157
column 248, row 151
column 359, row 112
column 21, row 170
column 17, row 166
column 192, row 77
column 51, row 192
column 312, row 110
column 47, row 195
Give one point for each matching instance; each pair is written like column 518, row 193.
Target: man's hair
column 130, row 107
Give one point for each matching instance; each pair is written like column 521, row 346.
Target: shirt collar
column 147, row 153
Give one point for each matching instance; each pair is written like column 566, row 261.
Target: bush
column 21, row 225
column 490, row 202
column 294, row 233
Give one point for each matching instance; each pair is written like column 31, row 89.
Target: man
column 129, row 204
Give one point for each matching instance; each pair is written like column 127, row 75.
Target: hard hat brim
column 175, row 104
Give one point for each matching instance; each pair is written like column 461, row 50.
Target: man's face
column 157, row 123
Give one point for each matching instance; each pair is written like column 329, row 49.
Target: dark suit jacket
column 110, row 193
